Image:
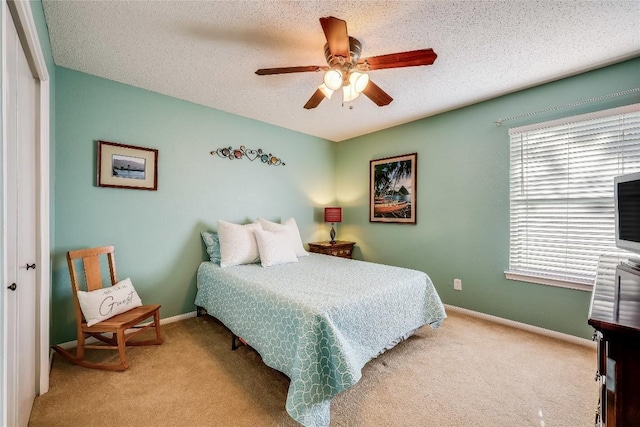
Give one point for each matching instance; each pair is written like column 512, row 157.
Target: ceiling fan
column 347, row 70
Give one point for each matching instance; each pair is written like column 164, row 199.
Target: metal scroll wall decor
column 243, row 152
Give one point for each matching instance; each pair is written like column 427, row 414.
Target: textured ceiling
column 207, row 52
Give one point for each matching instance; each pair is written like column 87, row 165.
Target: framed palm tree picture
column 392, row 191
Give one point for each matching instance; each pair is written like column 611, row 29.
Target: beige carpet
column 469, row 372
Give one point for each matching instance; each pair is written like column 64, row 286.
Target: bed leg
column 234, row 345
column 198, row 311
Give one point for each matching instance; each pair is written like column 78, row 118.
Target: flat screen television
column 627, row 203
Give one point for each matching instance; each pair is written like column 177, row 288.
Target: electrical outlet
column 457, row 284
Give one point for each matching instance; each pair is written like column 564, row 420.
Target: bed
column 319, row 320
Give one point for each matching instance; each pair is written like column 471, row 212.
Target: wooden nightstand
column 340, row 248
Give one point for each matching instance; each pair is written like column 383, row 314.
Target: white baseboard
column 72, row 344
column 484, row 316
column 530, row 328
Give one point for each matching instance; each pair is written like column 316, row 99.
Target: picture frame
column 392, row 189
column 127, row 166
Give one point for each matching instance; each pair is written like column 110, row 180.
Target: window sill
column 549, row 281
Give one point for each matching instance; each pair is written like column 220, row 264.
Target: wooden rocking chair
column 117, row 325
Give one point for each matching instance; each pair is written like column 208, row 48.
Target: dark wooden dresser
column 615, row 314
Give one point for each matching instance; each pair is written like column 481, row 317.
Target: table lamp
column 333, row 215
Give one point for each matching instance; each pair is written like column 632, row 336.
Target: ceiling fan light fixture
column 347, row 69
column 325, row 91
column 359, row 81
column 349, row 93
column 333, row 79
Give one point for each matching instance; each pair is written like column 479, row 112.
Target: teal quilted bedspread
column 319, row 320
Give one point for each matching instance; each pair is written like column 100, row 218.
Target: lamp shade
column 333, row 79
column 359, row 81
column 332, row 214
column 349, row 93
column 325, row 91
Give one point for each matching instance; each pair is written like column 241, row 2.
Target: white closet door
column 21, row 110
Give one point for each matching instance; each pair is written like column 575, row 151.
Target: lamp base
column 332, row 233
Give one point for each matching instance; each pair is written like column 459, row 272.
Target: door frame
column 20, row 12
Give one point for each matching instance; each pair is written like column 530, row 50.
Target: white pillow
column 105, row 303
column 275, row 248
column 238, row 243
column 290, row 227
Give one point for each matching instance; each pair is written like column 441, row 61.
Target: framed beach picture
column 392, row 190
column 127, row 166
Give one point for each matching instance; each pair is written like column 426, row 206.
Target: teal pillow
column 213, row 245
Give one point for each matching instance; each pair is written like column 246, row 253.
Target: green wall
column 463, row 195
column 157, row 233
column 462, row 228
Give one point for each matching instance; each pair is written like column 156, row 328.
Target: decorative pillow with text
column 105, row 303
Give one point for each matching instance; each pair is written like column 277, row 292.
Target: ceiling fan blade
column 285, row 70
column 315, row 99
column 401, row 59
column 377, row 95
column 335, row 30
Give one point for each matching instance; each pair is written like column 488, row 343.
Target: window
column 561, row 191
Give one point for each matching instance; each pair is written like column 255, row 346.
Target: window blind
column 562, row 212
